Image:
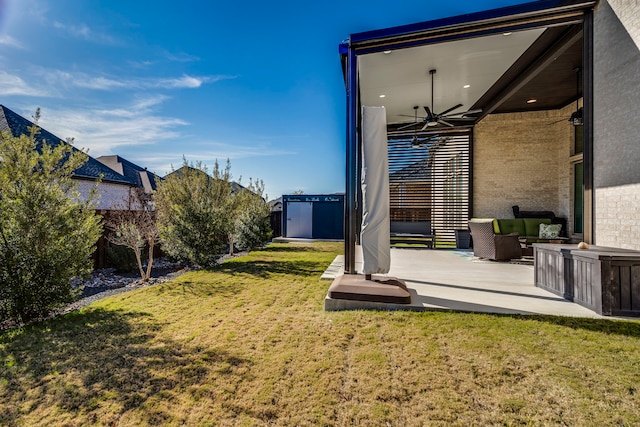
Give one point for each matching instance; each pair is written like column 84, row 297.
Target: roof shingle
column 92, row 169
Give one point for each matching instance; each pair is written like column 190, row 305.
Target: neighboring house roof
column 418, row 171
column 141, row 176
column 276, row 204
column 91, row 170
column 235, row 187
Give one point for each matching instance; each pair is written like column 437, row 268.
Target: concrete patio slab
column 453, row 280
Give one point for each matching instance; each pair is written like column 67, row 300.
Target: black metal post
column 351, row 192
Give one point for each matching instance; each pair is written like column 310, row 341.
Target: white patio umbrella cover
column 376, row 251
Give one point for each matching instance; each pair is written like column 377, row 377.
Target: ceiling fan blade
column 450, row 109
column 426, row 125
column 429, row 114
column 469, row 112
column 445, row 123
column 408, row 126
column 406, row 115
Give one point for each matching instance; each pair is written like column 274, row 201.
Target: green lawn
column 248, row 343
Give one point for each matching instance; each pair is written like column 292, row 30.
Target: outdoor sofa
column 529, row 229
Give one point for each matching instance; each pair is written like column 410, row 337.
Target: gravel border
column 105, row 283
column 95, row 293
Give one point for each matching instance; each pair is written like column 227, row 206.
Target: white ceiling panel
column 402, row 76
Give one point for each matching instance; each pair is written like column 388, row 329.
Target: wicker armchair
column 487, row 244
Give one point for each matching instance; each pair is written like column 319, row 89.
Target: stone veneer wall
column 522, row 159
column 616, row 124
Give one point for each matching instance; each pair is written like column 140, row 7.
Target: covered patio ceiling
column 497, row 73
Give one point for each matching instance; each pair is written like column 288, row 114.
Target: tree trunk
column 139, row 260
column 150, row 263
column 230, row 245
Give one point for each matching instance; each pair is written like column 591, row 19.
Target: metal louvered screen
column 429, row 181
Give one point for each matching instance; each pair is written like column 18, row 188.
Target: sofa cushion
column 532, row 225
column 550, row 231
column 508, row 226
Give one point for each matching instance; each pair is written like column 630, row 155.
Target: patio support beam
column 588, row 234
column 351, row 179
column 538, row 65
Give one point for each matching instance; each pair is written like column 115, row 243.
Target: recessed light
column 531, row 101
column 466, row 86
column 508, row 33
column 383, row 96
column 386, row 52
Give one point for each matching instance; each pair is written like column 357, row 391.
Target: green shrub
column 47, row 232
column 252, row 225
column 121, row 258
column 194, row 214
column 202, row 215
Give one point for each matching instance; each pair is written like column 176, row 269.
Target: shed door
column 299, row 219
column 328, row 220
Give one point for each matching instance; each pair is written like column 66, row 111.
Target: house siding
column 522, row 159
column 111, row 196
column 616, row 136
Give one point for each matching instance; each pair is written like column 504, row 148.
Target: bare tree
column 135, row 229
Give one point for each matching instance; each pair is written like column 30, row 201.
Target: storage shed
column 313, row 216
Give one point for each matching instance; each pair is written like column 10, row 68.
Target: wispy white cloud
column 186, row 81
column 83, row 31
column 14, row 85
column 182, row 82
column 140, row 105
column 7, row 40
column 126, row 130
column 140, row 64
column 98, row 83
column 208, row 153
column 103, row 131
column 181, row 57
column 59, row 78
column 145, row 103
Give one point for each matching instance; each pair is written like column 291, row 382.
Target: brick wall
column 616, row 136
column 628, row 13
column 618, row 216
column 522, row 159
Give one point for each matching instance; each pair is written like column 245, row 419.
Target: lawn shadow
column 265, row 269
column 608, row 326
column 196, row 288
column 292, row 247
column 96, row 361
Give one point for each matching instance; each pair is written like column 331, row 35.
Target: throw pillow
column 549, row 231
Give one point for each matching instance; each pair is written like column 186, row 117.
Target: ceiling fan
column 576, row 117
column 415, row 141
column 433, row 119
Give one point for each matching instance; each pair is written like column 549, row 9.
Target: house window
column 578, row 197
column 577, row 141
column 578, row 180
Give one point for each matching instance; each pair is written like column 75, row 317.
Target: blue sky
column 257, row 82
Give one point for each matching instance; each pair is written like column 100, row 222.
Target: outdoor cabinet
column 549, row 270
column 605, row 280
